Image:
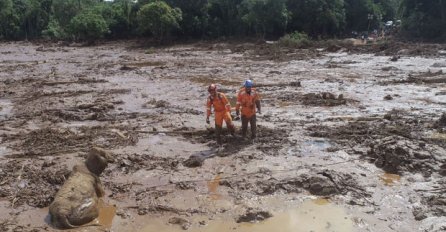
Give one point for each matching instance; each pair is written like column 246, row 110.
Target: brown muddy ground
column 350, row 138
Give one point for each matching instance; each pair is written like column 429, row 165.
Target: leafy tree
column 424, row 19
column 317, row 17
column 36, row 17
column 88, row 25
column 225, row 18
column 195, row 16
column 54, row 30
column 159, row 19
column 65, row 10
column 265, row 16
column 9, row 22
column 115, row 17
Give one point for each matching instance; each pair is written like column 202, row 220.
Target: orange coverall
column 247, row 102
column 222, row 109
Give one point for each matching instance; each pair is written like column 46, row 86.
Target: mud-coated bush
column 159, row 19
column 295, row 39
column 88, row 25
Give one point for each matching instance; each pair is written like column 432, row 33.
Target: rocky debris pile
column 396, row 154
column 324, row 183
column 323, row 99
column 55, row 141
column 433, row 202
column 396, row 144
column 314, row 99
column 183, row 223
column 130, row 163
column 440, row 124
column 34, row 185
column 424, row 78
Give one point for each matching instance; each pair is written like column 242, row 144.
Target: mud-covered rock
column 183, row 223
column 254, row 216
column 396, row 154
column 321, row 186
column 441, row 122
column 323, row 99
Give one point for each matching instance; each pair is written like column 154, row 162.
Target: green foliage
column 195, row 16
column 424, row 19
column 159, row 19
column 54, row 30
column 295, row 40
column 116, row 16
column 88, row 25
column 224, row 18
column 9, row 22
column 64, row 19
column 265, row 16
column 317, row 17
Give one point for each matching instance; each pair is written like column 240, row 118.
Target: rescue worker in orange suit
column 248, row 100
column 222, row 110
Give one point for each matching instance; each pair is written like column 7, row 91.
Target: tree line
column 94, row 19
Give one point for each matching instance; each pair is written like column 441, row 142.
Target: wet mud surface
column 351, row 138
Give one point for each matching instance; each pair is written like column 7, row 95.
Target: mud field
column 349, row 139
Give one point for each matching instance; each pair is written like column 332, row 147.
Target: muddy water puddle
column 314, row 215
column 106, row 214
column 213, row 186
column 390, row 179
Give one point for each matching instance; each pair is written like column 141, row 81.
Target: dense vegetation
column 93, row 19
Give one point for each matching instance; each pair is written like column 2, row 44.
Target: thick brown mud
column 351, row 138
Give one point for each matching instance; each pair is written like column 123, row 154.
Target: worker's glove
column 207, row 120
column 237, row 112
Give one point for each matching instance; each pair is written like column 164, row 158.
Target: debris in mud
column 292, row 84
column 321, row 186
column 388, row 97
column 55, row 141
column 158, row 208
column 396, row 145
column 127, row 68
column 34, row 184
column 395, row 58
column 254, row 216
column 323, row 99
column 325, row 183
column 268, row 140
column 131, row 163
column 314, row 99
column 157, row 103
column 389, row 68
column 441, row 123
column 424, row 78
column 194, row 161
column 439, row 65
column 396, row 155
column 183, row 223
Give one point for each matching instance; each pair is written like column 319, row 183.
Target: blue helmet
column 248, row 84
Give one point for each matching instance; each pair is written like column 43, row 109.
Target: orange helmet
column 212, row 87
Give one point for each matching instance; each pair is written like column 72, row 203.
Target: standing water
column 317, row 215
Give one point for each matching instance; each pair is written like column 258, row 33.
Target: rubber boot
column 244, row 126
column 218, row 130
column 232, row 129
column 253, row 122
